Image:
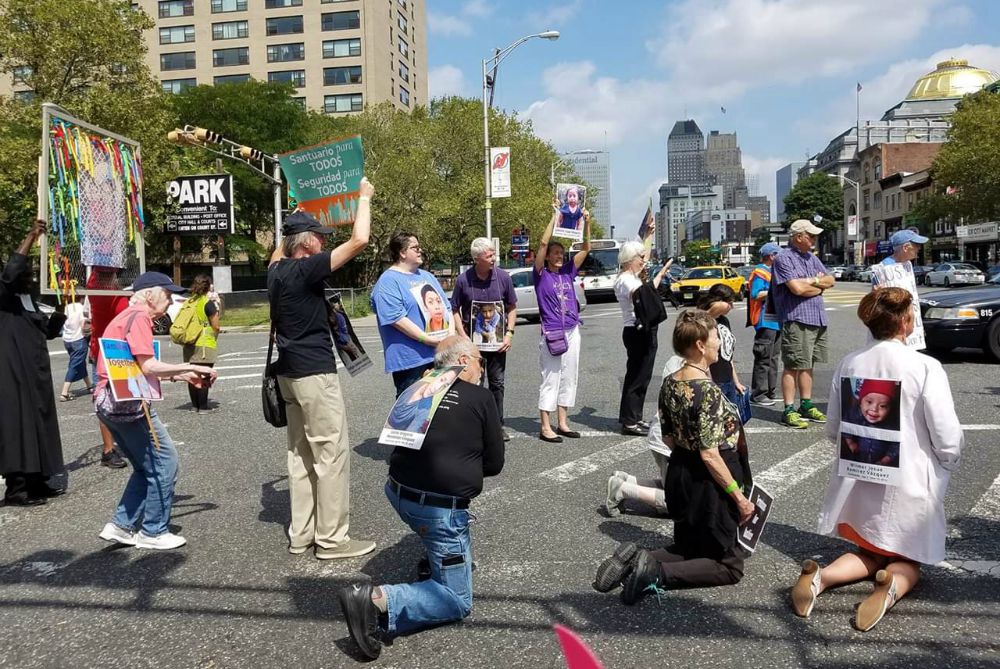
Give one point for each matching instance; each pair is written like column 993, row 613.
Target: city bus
column 600, row 268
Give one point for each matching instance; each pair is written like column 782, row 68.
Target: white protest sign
column 900, row 275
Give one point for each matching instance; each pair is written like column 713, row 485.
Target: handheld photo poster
column 488, row 325
column 434, row 309
column 345, row 340
column 870, row 429
column 413, row 411
column 572, row 199
column 126, row 380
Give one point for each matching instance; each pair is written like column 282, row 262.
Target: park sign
column 200, row 205
column 324, row 180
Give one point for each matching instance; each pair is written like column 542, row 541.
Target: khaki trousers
column 319, row 466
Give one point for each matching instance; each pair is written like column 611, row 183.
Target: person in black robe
column 30, row 445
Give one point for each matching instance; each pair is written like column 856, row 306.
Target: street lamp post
column 857, row 210
column 490, row 66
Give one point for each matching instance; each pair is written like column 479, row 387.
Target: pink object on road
column 578, row 654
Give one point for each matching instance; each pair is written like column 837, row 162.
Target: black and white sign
column 201, row 205
column 749, row 535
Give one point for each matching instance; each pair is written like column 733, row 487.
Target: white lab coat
column 907, row 519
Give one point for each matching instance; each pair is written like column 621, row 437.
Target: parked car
column 920, row 271
column 698, row 279
column 966, row 318
column 954, row 273
column 745, row 271
column 852, row 272
column 865, row 275
column 839, row 272
column 161, row 326
column 527, row 302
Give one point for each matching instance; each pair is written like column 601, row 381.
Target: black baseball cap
column 300, row 221
column 156, row 280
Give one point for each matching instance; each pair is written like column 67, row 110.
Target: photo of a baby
column 869, row 451
column 487, row 326
column 870, row 417
column 870, row 402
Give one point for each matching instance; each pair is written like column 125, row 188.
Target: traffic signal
column 177, row 136
column 250, row 153
column 207, row 136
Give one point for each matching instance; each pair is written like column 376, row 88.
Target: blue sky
column 623, row 72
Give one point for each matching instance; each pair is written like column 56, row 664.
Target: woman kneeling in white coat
column 898, row 424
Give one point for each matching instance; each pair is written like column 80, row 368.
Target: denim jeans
column 149, row 493
column 447, row 596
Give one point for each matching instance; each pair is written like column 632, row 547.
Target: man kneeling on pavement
column 431, row 489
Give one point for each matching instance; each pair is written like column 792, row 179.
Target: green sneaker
column 813, row 414
column 793, row 419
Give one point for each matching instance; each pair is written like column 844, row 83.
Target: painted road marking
column 986, row 509
column 251, row 366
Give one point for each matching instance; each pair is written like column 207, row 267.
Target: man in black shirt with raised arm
column 431, row 489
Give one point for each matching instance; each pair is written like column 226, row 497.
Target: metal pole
column 276, row 188
column 857, row 208
column 486, row 157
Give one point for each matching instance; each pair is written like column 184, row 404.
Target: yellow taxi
column 699, row 279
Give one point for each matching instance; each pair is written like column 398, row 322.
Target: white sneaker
column 615, row 497
column 161, row 542
column 115, row 534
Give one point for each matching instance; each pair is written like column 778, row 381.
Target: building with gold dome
column 935, row 94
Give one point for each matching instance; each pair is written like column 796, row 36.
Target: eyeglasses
column 415, row 248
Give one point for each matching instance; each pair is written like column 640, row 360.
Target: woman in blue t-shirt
column 408, row 323
column 560, row 316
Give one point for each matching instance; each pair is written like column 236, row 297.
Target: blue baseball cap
column 769, row 249
column 906, row 236
column 156, row 280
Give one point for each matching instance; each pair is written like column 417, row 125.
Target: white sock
column 379, row 600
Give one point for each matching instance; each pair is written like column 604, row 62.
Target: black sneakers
column 645, row 578
column 362, row 618
column 113, row 460
column 613, row 570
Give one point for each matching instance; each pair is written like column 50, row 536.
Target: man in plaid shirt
column 798, row 281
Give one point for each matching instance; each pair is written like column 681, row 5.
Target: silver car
column 527, row 302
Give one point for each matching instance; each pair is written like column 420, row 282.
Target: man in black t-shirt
column 319, row 465
column 431, row 489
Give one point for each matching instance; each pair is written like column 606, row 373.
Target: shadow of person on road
column 371, row 449
column 274, row 503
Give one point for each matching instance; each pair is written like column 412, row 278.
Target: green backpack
column 187, row 328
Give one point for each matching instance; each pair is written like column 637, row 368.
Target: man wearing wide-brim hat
column 798, row 281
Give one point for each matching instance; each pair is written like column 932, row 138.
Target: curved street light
column 490, row 66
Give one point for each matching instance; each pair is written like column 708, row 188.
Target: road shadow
column 371, row 449
column 91, row 456
column 181, row 509
column 274, row 503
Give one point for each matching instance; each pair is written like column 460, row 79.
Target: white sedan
column 953, row 274
column 527, row 302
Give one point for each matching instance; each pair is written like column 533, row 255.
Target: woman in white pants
column 559, row 349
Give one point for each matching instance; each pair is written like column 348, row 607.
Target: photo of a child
column 414, row 410
column 572, row 199
column 869, row 451
column 870, row 402
column 432, row 308
column 869, row 440
column 487, row 325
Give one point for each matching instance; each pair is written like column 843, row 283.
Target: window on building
column 223, row 6
column 21, row 73
column 341, row 20
column 403, row 46
column 338, row 76
column 231, row 30
column 231, row 79
column 175, row 86
column 300, row 100
column 283, row 53
column 229, row 57
column 877, row 168
column 865, row 169
column 401, row 22
column 295, row 77
column 877, row 201
column 278, row 4
column 176, row 35
column 341, row 48
column 404, row 71
column 330, row 2
column 24, row 96
column 285, row 25
column 867, row 202
column 404, row 96
column 177, row 61
column 171, row 8
column 338, row 104
column 938, row 227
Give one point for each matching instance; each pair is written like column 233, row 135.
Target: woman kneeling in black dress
column 704, row 484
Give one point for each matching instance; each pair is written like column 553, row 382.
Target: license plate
column 688, row 296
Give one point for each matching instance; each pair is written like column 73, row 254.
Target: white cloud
column 579, row 107
column 720, row 49
column 451, row 25
column 445, row 80
column 555, row 15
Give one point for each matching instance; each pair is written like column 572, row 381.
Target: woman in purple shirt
column 559, row 349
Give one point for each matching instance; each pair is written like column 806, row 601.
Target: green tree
column 970, row 161
column 701, row 252
column 817, row 193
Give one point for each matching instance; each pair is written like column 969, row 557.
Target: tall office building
column 785, row 179
column 724, row 165
column 676, row 203
column 686, row 154
column 339, row 54
column 594, row 167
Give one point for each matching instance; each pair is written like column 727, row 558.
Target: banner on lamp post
column 500, row 171
column 852, row 226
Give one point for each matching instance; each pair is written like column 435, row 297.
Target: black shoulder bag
column 270, row 392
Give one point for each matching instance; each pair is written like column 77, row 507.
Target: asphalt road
column 233, row 597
